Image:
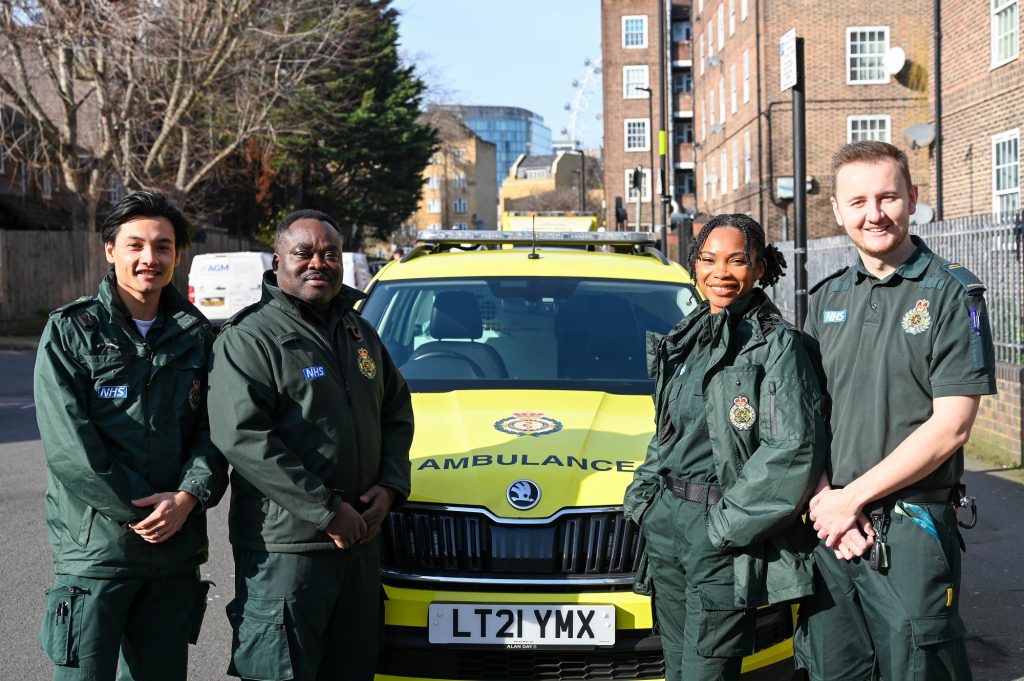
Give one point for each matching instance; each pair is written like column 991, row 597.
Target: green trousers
column 703, row 634
column 313, row 616
column 143, row 623
column 902, row 622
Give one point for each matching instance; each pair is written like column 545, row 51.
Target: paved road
column 993, row 599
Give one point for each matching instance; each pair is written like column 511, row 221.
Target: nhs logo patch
column 833, row 316
column 112, row 392
column 313, row 373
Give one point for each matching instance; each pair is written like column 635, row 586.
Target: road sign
column 787, row 59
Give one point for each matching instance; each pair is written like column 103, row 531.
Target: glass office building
column 513, row 131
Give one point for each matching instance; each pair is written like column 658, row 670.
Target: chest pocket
column 112, row 388
column 739, row 401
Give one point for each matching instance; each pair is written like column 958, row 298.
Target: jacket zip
column 771, row 404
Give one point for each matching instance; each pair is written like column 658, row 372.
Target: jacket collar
column 341, row 304
column 174, row 315
column 912, row 268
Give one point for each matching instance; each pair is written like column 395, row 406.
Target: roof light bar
column 458, row 236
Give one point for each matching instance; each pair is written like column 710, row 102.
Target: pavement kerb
column 19, row 343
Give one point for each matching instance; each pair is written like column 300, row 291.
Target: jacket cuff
column 197, row 488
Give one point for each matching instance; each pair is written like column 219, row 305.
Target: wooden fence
column 40, row 271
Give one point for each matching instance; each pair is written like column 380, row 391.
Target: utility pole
column 791, row 73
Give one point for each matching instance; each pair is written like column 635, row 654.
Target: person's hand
column 346, row 527
column 855, row 541
column 834, row 513
column 170, row 511
column 380, row 500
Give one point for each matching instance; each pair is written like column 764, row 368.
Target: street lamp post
column 650, row 143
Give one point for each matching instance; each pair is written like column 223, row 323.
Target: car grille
column 447, row 544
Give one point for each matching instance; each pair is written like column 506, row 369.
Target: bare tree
column 154, row 93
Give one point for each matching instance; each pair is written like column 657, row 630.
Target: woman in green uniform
column 738, row 447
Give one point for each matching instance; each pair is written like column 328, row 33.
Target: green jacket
column 768, row 463
column 307, row 416
column 122, row 418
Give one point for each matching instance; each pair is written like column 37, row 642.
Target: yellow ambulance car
column 512, row 558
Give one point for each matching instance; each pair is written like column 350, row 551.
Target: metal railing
column 990, row 246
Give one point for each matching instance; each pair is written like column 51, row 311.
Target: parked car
column 526, row 357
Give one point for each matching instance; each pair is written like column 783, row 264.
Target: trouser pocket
column 259, row 646
column 62, row 617
column 725, row 630
column 195, row 620
column 939, row 652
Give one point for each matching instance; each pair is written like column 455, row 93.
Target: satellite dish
column 920, row 135
column 923, row 215
column 894, row 60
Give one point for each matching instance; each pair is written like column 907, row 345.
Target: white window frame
column 732, row 88
column 459, row 153
column 885, row 119
column 630, row 85
column 460, row 225
column 434, row 225
column 721, row 27
column 645, row 185
column 634, row 17
column 434, row 206
column 459, row 181
column 850, row 32
column 723, row 170
column 732, row 17
column 700, row 7
column 996, row 9
column 460, row 205
column 746, row 76
column 1013, row 165
column 626, row 134
column 744, row 9
column 721, row 100
column 747, row 158
column 681, row 75
column 433, row 181
column 437, row 158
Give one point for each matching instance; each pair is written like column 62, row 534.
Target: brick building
column 646, row 44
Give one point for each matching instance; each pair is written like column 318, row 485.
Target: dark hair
column 870, row 151
column 753, row 243
column 304, row 214
column 146, row 205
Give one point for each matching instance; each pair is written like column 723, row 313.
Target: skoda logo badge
column 523, row 494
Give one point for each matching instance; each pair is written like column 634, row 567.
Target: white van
column 221, row 284
column 355, row 270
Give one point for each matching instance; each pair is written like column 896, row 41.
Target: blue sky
column 522, row 53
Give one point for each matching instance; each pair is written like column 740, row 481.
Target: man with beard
column 120, row 397
column 907, row 353
column 316, row 421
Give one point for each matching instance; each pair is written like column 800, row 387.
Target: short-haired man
column 907, row 352
column 316, row 421
column 120, row 397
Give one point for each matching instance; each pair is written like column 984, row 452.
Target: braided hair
column 754, row 246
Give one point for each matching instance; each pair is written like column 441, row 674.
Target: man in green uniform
column 316, row 421
column 120, row 396
column 906, row 348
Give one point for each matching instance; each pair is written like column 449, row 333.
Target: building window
column 1006, row 172
column 645, row 185
column 682, row 81
column 459, row 205
column 721, row 27
column 436, row 158
column 634, row 31
column 434, row 225
column 744, row 9
column 460, row 154
column 634, row 77
column 862, row 128
column 747, row 158
column 433, row 182
column 537, row 173
column 684, row 131
column 636, row 135
column 700, row 53
column 711, row 110
column 723, row 171
column 682, row 31
column 459, row 181
column 721, row 100
column 433, row 205
column 460, row 225
column 732, row 17
column 865, row 48
column 746, row 76
column 686, row 183
column 700, row 7
column 1005, row 38
column 732, row 88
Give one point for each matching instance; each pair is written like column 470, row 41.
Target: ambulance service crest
column 366, row 365
column 194, row 394
column 741, row 414
column 917, row 320
column 528, row 423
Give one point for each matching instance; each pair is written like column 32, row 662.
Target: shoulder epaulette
column 76, row 310
column 837, row 273
column 964, row 277
column 237, row 317
column 65, row 310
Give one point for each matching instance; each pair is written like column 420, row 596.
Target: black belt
column 912, row 495
column 698, row 492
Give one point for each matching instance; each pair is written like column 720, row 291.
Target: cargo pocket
column 725, row 630
column 195, row 619
column 259, row 646
column 939, row 651
column 62, row 617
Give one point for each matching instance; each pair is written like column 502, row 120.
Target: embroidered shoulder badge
column 742, row 415
column 366, row 366
column 194, row 393
column 917, row 320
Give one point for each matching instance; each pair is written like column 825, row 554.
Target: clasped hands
column 841, row 523
column 348, row 527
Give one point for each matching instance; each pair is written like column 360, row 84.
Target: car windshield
column 525, row 332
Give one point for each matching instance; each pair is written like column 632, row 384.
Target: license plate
column 521, row 624
column 211, row 302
